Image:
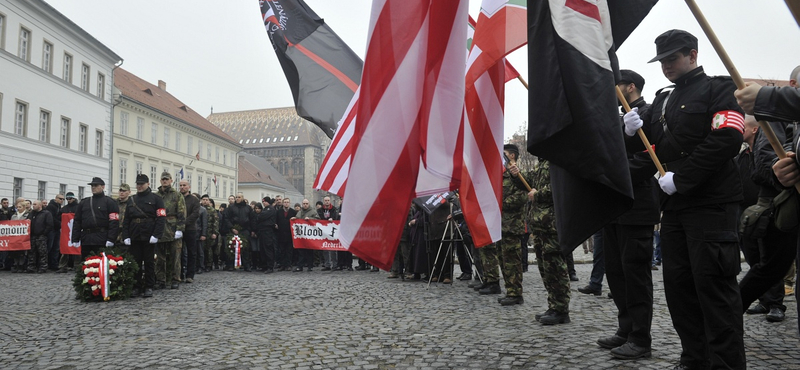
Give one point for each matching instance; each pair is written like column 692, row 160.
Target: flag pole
column 737, row 78
column 642, row 136
column 522, row 80
column 794, row 7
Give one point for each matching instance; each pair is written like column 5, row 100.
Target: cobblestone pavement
column 333, row 320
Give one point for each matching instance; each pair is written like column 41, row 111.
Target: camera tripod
column 451, row 250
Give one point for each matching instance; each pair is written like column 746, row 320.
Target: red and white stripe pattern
column 105, row 277
column 407, row 98
column 728, row 118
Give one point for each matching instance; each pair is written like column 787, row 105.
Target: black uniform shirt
column 145, row 216
column 97, row 218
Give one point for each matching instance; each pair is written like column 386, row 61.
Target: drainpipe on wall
column 111, row 131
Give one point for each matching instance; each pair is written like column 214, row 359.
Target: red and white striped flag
column 409, row 108
column 501, row 29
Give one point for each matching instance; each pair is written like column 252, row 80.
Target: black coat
column 764, row 157
column 145, row 216
column 284, row 226
column 41, row 222
column 326, row 213
column 266, row 220
column 192, row 211
column 97, row 218
column 54, row 209
column 645, row 192
column 778, row 104
column 239, row 214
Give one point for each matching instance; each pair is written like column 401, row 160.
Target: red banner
column 15, row 235
column 316, row 234
column 66, row 245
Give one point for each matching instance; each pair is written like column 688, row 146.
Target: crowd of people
column 715, row 199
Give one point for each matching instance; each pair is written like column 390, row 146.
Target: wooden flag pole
column 523, row 81
column 737, row 78
column 642, row 136
column 794, row 7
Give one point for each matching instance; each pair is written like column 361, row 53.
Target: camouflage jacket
column 122, row 206
column 515, row 195
column 213, row 221
column 176, row 212
column 542, row 211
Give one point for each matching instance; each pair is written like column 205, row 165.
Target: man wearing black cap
column 697, row 128
column 143, row 225
column 96, row 222
column 628, row 249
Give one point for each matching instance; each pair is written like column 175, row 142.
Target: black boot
column 491, row 288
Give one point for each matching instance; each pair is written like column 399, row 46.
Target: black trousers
column 190, row 246
column 344, row 259
column 463, row 255
column 266, row 244
column 284, row 255
column 701, row 260
column 143, row 252
column 628, row 251
column 305, row 258
column 769, row 258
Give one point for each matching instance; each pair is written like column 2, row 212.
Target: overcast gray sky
column 216, row 53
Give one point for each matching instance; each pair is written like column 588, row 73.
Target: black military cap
column 70, row 195
column 511, row 149
column 671, row 41
column 97, row 181
column 142, row 179
column 629, row 76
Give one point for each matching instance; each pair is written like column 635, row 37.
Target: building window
column 153, row 174
column 139, row 168
column 166, row 137
column 85, row 77
column 139, row 128
column 47, row 57
column 208, row 185
column 216, row 189
column 62, row 189
column 153, row 132
column 24, row 44
column 98, row 143
column 224, row 187
column 64, row 136
column 83, row 132
column 2, row 31
column 177, row 141
column 17, row 188
column 21, row 119
column 80, row 192
column 225, row 157
column 44, row 126
column 208, row 151
column 41, row 192
column 189, row 179
column 101, row 86
column 67, row 68
column 123, row 171
column 189, row 144
column 200, row 184
column 199, row 148
column 217, row 155
column 123, row 123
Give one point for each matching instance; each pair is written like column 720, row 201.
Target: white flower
column 95, row 287
column 120, row 263
column 111, row 272
column 86, row 280
column 112, row 263
column 86, row 271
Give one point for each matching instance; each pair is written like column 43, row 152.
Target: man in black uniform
column 697, row 131
column 628, row 248
column 239, row 220
column 96, row 222
column 143, row 225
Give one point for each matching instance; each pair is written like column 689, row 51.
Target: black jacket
column 326, row 213
column 5, row 214
column 764, row 157
column 645, row 191
column 145, row 216
column 707, row 174
column 97, row 218
column 778, row 104
column 239, row 214
column 284, row 226
column 192, row 211
column 266, row 220
column 41, row 223
column 54, row 209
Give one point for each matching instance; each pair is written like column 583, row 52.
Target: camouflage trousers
column 38, row 253
column 505, row 256
column 553, row 269
column 211, row 252
column 168, row 261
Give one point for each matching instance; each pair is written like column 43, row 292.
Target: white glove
column 667, row 184
column 127, row 241
column 632, row 122
column 153, row 240
column 178, row 234
column 109, row 244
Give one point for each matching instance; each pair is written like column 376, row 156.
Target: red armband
column 728, row 118
column 113, row 216
column 161, row 212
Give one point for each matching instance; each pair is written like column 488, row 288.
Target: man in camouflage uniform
column 122, row 203
column 552, row 266
column 210, row 245
column 507, row 252
column 168, row 249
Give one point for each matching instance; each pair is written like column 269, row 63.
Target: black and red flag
column 573, row 112
column 322, row 71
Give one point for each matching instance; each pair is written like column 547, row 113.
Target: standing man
column 144, row 223
column 5, row 210
column 265, row 227
column 628, row 249
column 53, row 239
column 697, row 131
column 306, row 256
column 168, row 250
column 210, row 245
column 71, row 207
column 238, row 219
column 122, row 203
column 96, row 224
column 41, row 226
column 328, row 212
column 190, row 237
column 285, row 214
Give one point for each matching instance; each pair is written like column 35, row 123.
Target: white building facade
column 55, row 103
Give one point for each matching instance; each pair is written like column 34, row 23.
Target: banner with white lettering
column 316, row 234
column 15, row 235
column 65, row 242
